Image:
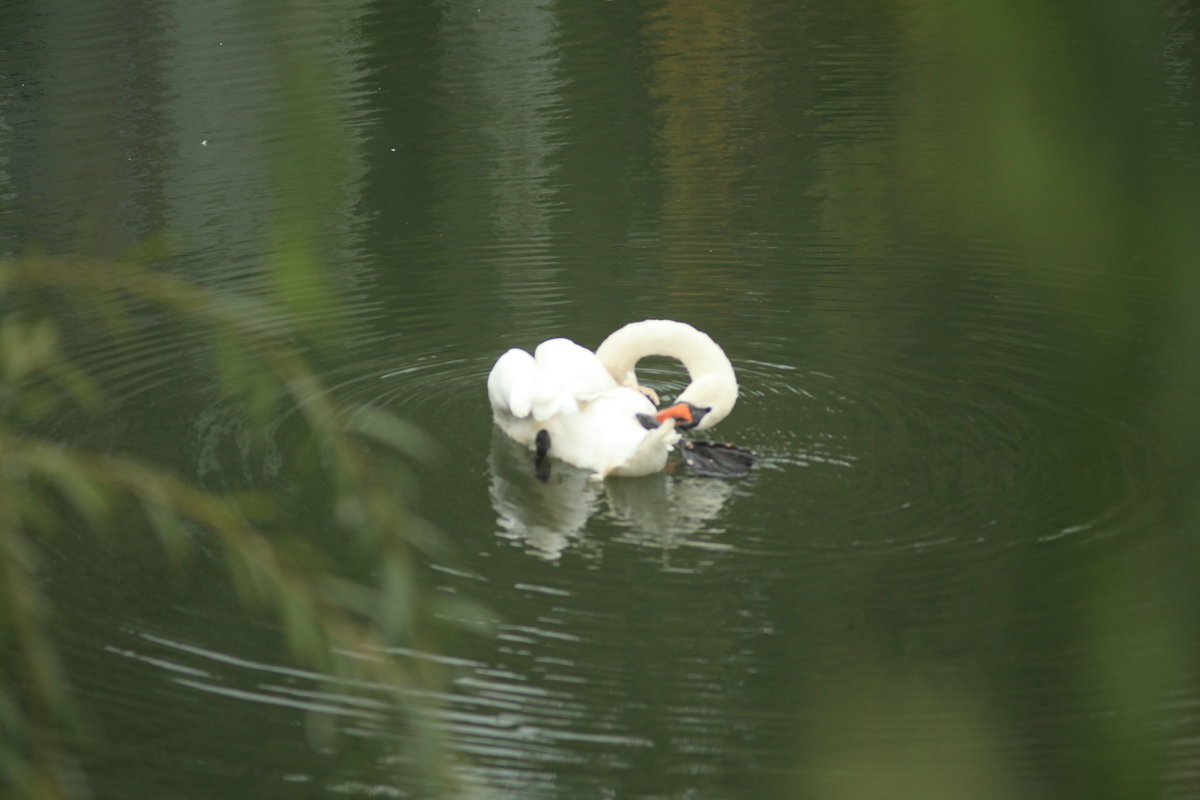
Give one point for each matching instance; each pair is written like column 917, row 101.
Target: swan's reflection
column 548, row 516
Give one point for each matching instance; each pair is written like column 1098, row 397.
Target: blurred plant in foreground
column 335, row 624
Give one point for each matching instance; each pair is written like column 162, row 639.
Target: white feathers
column 554, row 380
column 511, row 382
column 590, row 407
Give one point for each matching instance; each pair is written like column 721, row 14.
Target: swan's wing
column 511, row 383
column 574, row 367
column 557, row 379
column 567, row 375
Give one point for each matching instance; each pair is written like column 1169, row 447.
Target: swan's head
column 684, row 417
column 710, row 398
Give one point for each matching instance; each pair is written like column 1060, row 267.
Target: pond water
column 950, row 252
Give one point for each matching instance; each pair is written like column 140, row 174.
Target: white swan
column 587, row 409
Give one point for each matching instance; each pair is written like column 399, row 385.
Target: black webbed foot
column 541, row 462
column 716, row 460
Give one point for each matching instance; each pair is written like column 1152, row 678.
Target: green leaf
column 388, row 429
column 87, row 495
column 170, row 530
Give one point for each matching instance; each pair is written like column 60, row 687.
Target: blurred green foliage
column 335, row 622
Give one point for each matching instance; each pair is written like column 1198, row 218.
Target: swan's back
column 556, row 379
column 566, row 375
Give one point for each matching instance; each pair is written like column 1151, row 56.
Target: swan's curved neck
column 713, row 380
column 621, row 351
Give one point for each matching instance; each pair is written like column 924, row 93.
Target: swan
column 587, row 409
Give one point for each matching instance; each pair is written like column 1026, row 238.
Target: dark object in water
column 716, row 460
column 541, row 467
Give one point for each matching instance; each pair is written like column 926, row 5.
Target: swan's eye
column 697, row 414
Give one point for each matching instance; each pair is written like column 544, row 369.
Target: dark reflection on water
column 963, row 567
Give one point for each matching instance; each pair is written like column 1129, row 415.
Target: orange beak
column 679, row 411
